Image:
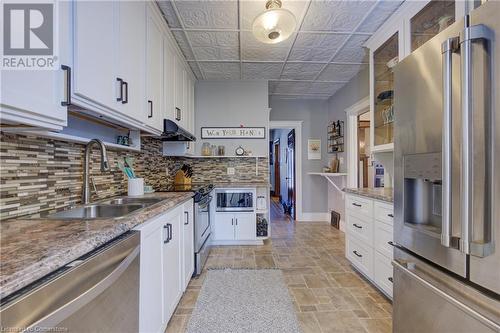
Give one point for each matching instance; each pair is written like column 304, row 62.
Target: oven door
column 235, row 200
column 202, row 222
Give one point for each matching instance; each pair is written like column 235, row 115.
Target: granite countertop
column 240, row 184
column 379, row 193
column 33, row 248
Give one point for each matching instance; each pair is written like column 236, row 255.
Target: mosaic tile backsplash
column 40, row 174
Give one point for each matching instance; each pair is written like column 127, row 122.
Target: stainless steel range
column 202, row 220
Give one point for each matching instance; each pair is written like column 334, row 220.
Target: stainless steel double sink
column 111, row 208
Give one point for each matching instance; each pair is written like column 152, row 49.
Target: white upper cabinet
column 169, row 78
column 132, row 57
column 154, row 70
column 36, row 97
column 179, row 100
column 94, row 52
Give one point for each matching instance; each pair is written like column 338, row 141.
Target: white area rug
column 244, row 300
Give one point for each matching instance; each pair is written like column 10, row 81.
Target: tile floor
column 329, row 296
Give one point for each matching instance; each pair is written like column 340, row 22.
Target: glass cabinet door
column 384, row 59
column 431, row 20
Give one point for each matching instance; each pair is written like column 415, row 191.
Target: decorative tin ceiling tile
column 215, row 45
column 301, row 71
column 344, row 72
column 342, row 15
column 252, row 49
column 208, row 14
column 353, row 50
column 169, row 13
column 180, row 37
column 379, row 15
column 316, row 47
column 328, row 88
column 196, row 70
column 221, row 70
column 259, row 70
column 287, row 87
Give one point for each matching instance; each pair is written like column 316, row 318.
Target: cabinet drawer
column 359, row 205
column 361, row 228
column 360, row 255
column 384, row 212
column 383, row 273
column 383, row 239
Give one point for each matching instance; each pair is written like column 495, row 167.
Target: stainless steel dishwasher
column 98, row 292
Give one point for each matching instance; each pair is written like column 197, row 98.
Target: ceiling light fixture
column 275, row 24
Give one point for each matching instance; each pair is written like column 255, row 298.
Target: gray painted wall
column 357, row 89
column 231, row 104
column 314, row 114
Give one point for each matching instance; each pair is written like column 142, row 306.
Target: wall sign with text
column 233, row 132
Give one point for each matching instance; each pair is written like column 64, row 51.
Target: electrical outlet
column 230, row 171
column 166, row 172
column 341, row 160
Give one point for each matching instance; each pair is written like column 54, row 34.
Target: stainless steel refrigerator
column 447, row 180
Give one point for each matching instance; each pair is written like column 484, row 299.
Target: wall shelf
column 329, row 177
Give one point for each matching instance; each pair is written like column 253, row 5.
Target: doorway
column 365, row 169
column 283, row 171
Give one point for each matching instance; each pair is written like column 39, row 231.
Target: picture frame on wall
column 313, row 149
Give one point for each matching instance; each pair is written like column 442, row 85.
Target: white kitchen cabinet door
column 245, row 226
column 154, row 73
column 169, row 78
column 151, row 296
column 172, row 284
column 132, row 57
column 95, row 53
column 188, row 244
column 179, row 91
column 224, row 226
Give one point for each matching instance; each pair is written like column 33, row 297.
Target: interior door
column 94, row 51
column 245, row 226
column 172, row 284
column 154, row 74
column 132, row 57
column 224, row 226
column 427, row 200
column 277, row 168
column 290, row 173
column 485, row 152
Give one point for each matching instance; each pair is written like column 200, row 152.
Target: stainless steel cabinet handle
column 484, row 246
column 67, row 91
column 357, row 226
column 232, row 221
column 186, row 221
column 169, row 232
column 448, row 47
column 125, row 98
column 177, row 114
column 120, row 97
column 357, row 254
column 166, row 237
column 236, row 221
column 390, row 215
column 150, row 103
column 356, row 204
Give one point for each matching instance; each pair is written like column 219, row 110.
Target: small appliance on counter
column 184, row 175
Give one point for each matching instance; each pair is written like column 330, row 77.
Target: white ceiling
column 317, row 60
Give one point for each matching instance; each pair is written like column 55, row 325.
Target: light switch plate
column 230, row 171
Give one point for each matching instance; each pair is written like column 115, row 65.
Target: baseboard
column 237, row 242
column 314, row 217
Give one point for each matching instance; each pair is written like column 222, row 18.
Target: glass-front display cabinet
column 430, row 21
column 385, row 58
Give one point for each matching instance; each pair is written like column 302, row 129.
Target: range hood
column 173, row 132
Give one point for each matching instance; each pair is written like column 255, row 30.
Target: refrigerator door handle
column 476, row 247
column 448, row 47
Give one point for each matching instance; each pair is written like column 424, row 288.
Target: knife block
column 181, row 179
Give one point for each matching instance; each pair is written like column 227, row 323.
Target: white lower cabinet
column 369, row 239
column 188, row 244
column 163, row 259
column 235, row 227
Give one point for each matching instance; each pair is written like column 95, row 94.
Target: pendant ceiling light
column 275, row 24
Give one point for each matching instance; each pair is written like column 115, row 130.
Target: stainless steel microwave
column 235, row 200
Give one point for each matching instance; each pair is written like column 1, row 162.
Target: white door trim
column 352, row 114
column 297, row 126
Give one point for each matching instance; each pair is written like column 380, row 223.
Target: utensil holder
column 135, row 186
